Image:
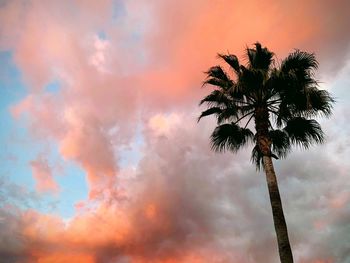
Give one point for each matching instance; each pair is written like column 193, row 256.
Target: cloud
column 180, row 202
column 11, row 244
column 175, row 212
column 163, row 219
column 162, row 125
column 42, row 174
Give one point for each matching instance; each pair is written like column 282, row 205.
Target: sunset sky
column 102, row 158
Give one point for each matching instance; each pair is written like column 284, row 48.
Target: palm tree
column 281, row 98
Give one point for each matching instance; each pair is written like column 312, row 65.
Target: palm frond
column 210, row 111
column 217, row 98
column 280, row 143
column 309, row 102
column 264, row 57
column 304, row 132
column 230, row 137
column 223, row 84
column 259, row 58
column 315, row 102
column 232, row 60
column 216, row 76
column 228, row 114
column 250, row 81
column 257, row 158
column 251, row 54
column 299, row 61
column 218, row 73
column 236, row 92
column 290, row 85
column 294, row 78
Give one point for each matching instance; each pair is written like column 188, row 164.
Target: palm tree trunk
column 284, row 248
column 264, row 144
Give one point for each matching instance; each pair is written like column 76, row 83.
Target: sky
column 102, row 158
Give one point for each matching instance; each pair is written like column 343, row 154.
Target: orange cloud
column 66, row 257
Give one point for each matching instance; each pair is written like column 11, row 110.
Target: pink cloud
column 42, row 173
column 182, row 203
column 340, row 200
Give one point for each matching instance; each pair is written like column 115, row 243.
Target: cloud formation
column 124, row 66
column 42, row 174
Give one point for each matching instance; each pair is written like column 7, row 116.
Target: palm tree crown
column 281, row 99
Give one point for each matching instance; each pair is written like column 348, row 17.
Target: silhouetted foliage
column 281, row 100
column 289, row 93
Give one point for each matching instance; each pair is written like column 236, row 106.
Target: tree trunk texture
column 284, row 248
column 264, row 144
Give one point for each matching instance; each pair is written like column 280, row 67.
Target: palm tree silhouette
column 281, row 99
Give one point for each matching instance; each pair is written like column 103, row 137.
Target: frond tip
column 216, row 98
column 230, row 137
column 218, row 73
column 210, row 111
column 304, row 132
column 232, row 60
column 280, row 143
column 299, row 61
